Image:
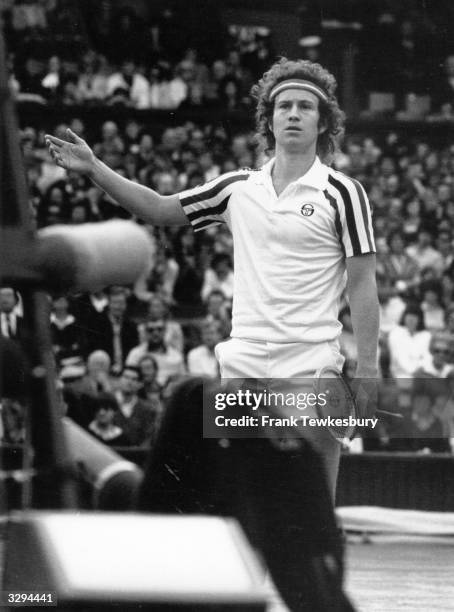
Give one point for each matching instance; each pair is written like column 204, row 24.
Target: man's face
column 444, row 243
column 440, row 353
column 155, row 333
column 117, row 305
column 148, row 370
column 210, row 336
column 129, row 381
column 215, row 304
column 7, row 299
column 295, row 123
column 424, row 239
column 105, row 416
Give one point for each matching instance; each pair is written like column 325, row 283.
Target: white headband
column 298, row 84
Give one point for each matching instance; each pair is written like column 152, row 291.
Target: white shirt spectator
column 170, row 362
column 211, row 282
column 426, row 257
column 434, row 317
column 202, row 362
column 168, row 94
column 408, row 352
column 138, row 91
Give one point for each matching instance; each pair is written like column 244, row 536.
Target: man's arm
column 139, row 200
column 362, row 295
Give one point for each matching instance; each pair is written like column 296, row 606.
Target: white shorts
column 240, row 358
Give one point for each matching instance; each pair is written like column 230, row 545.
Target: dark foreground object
column 277, row 492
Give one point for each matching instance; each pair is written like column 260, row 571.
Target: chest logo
column 307, row 210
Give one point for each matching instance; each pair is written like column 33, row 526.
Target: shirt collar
column 316, row 177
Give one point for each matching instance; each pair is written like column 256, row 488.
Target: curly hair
column 331, row 115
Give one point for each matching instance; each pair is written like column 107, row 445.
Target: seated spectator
column 412, row 220
column 230, row 94
column 409, row 343
column 399, row 267
column 11, row 315
column 97, row 378
column 423, row 252
column 157, row 311
column 12, row 421
column 218, row 277
column 444, row 88
column 167, row 91
column 65, row 332
column 218, row 310
column 170, row 361
column 70, row 94
column 52, row 82
column 447, row 289
column 103, row 426
column 150, row 390
column 434, row 314
column 209, row 168
column 408, row 346
column 444, row 246
column 427, row 429
column 92, row 81
column 135, row 84
column 135, row 416
column 114, row 332
column 195, row 98
column 29, row 17
column 54, row 206
column 201, row 359
column 218, row 73
column 111, row 142
column 436, row 363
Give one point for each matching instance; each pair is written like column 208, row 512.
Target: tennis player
column 302, row 233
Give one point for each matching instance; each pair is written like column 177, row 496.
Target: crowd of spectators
column 126, row 347
column 171, row 320
column 69, row 53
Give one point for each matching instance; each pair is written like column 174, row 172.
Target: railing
column 392, row 480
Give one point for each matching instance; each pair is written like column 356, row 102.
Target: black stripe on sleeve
column 337, row 222
column 364, row 211
column 205, row 223
column 213, row 191
column 213, row 210
column 349, row 214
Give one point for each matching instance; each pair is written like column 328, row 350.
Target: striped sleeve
column 353, row 214
column 206, row 205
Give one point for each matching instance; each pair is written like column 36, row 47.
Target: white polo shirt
column 289, row 250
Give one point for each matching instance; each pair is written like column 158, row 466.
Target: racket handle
column 396, row 415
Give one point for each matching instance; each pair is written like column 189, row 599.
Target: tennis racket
column 338, row 402
column 335, row 399
column 335, row 402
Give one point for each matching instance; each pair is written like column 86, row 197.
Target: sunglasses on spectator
column 440, row 350
column 155, row 328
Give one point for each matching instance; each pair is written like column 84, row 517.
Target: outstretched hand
column 73, row 154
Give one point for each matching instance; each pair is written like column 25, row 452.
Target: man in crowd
column 135, row 416
column 11, row 321
column 201, row 359
column 170, row 361
column 113, row 332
